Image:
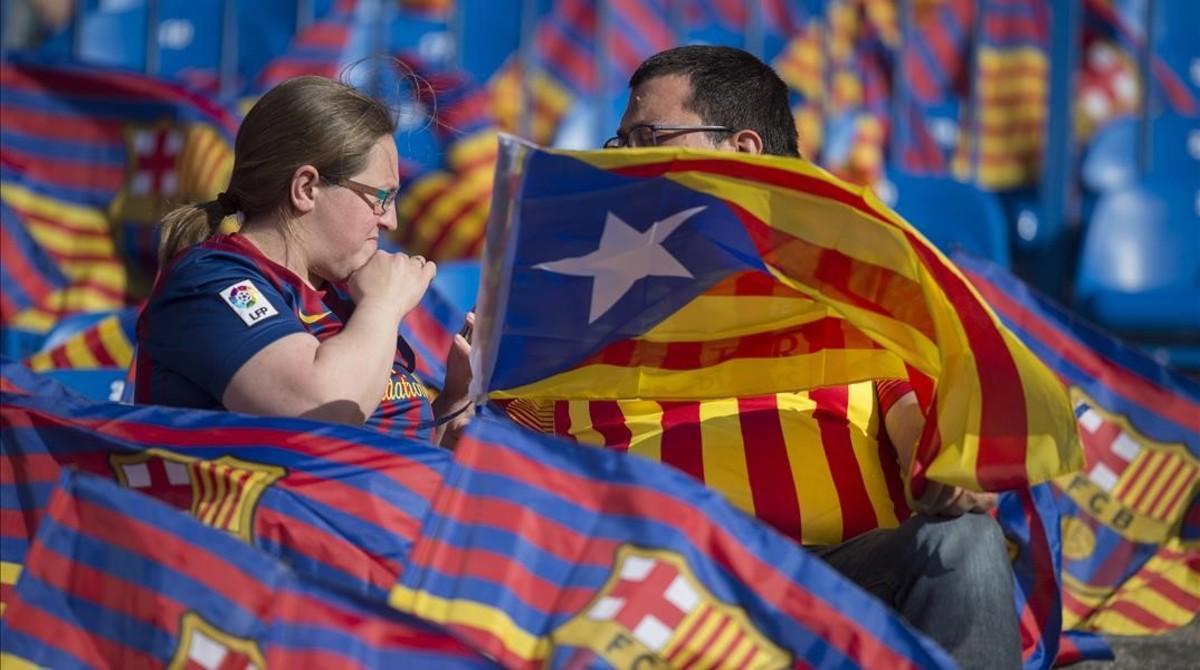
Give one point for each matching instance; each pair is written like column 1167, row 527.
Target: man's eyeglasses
column 650, row 134
column 383, row 198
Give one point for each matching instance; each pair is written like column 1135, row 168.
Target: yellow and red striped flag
column 607, row 277
column 108, row 343
column 813, row 465
column 442, row 213
column 1005, row 128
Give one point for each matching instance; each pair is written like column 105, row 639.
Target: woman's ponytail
column 191, row 224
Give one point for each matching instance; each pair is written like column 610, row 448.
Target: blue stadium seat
column 951, row 214
column 113, row 34
column 1110, row 159
column 100, row 384
column 1139, row 269
column 458, row 281
column 1175, row 145
column 265, row 30
column 190, row 38
column 502, row 27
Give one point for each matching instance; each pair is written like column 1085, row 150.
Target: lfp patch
column 247, row 302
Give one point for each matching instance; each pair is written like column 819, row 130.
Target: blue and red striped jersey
column 221, row 302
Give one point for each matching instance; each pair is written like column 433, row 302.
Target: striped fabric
column 1001, row 143
column 116, row 580
column 534, row 107
column 443, row 213
column 542, row 554
column 340, row 504
column 1162, row 596
column 934, row 61
column 879, row 293
column 106, row 344
column 28, row 275
column 90, row 158
column 1131, row 518
column 816, row 466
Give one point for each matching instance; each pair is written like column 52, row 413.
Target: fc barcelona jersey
column 221, row 302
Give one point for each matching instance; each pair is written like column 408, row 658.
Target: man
column 946, row 569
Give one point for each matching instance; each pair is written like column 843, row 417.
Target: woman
column 297, row 313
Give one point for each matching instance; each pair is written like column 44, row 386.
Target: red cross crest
column 650, row 599
column 653, row 612
column 222, row 492
column 202, row 646
column 168, row 480
column 155, row 155
column 204, row 653
column 1108, row 450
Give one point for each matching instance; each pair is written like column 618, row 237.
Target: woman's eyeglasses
column 383, row 198
column 650, row 134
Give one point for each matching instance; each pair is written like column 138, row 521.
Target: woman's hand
column 456, row 386
column 458, row 365
column 392, row 280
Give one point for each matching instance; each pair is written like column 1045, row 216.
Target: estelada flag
column 542, row 553
column 117, row 580
column 613, row 275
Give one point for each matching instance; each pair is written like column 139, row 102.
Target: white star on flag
column 624, row 256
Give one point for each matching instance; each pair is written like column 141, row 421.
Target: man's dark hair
column 730, row 87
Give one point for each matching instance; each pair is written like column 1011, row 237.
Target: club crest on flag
column 1136, row 485
column 202, row 646
column 168, row 163
column 222, row 493
column 653, row 612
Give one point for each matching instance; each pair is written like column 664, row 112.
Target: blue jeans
column 948, row 577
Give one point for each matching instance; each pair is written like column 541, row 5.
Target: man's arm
column 904, row 422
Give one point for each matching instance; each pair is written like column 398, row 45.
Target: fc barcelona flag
column 1131, row 518
column 642, row 255
column 117, row 580
column 90, row 160
column 28, row 275
column 542, row 553
column 339, row 503
column 1003, row 132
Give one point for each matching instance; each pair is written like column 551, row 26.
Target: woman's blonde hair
column 303, row 121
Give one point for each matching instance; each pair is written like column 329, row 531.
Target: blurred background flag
column 541, row 552
column 1103, row 22
column 1131, row 518
column 325, row 48
column 1004, row 128
column 338, row 503
column 682, row 223
column 90, row 159
column 108, row 343
column 119, row 580
column 443, row 210
column 28, row 274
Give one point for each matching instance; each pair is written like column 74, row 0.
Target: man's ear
column 747, row 141
column 302, row 191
